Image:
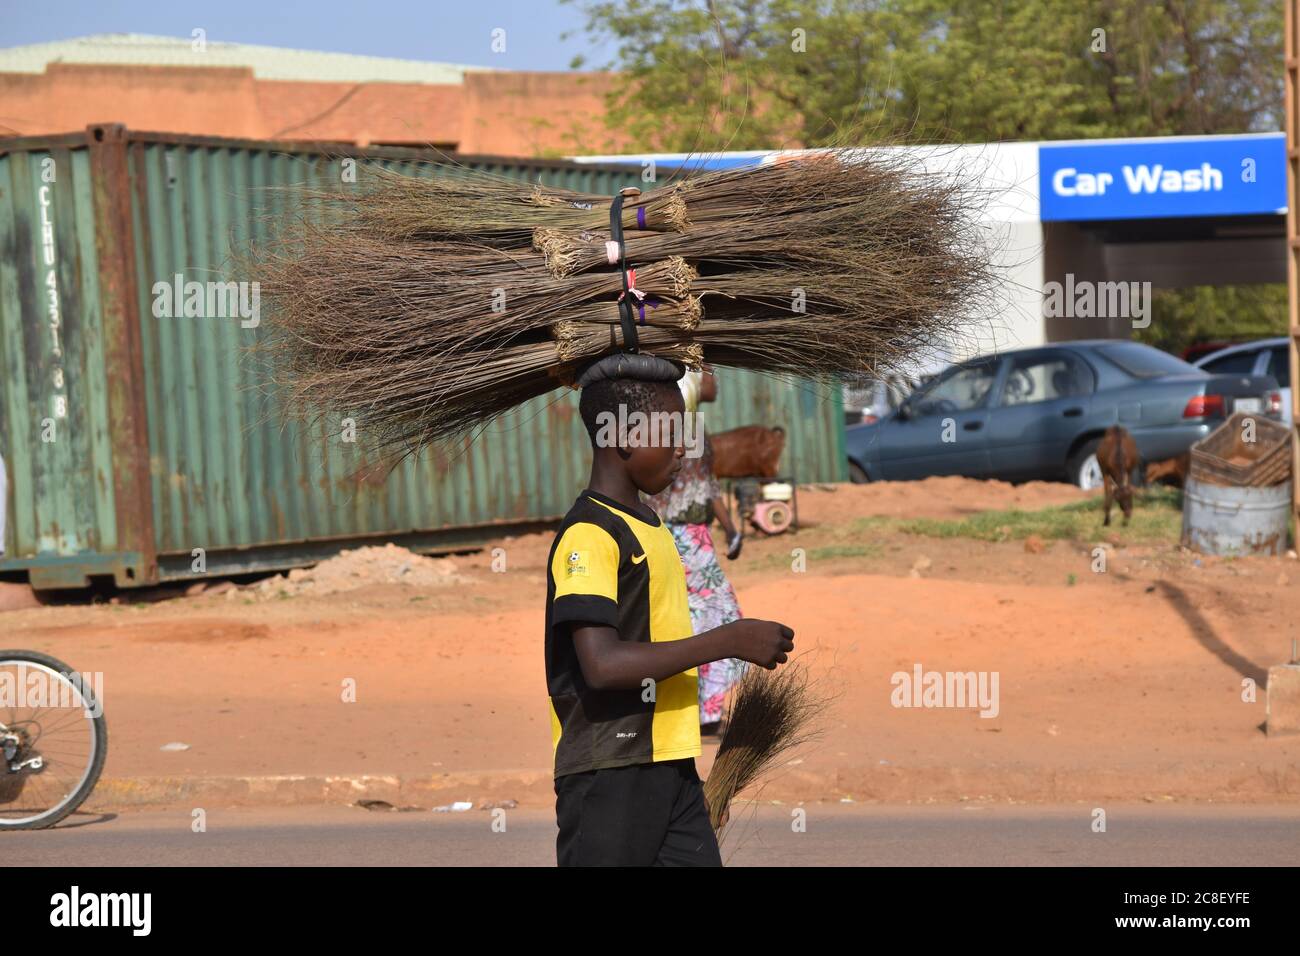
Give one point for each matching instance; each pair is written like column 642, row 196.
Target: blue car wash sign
column 1167, row 177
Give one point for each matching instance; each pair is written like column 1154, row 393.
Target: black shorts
column 648, row 814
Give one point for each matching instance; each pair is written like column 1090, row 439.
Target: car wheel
column 857, row 474
column 1083, row 468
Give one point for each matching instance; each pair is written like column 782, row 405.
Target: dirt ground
column 1126, row 684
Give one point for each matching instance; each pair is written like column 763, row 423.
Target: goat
column 1173, row 469
column 1118, row 456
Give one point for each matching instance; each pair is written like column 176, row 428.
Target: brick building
column 240, row 90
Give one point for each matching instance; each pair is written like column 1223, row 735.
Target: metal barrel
column 1223, row 520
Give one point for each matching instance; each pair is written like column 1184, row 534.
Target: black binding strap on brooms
column 627, row 363
column 616, row 250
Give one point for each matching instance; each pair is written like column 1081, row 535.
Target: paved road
column 835, row 834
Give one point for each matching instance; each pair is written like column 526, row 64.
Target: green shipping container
column 149, row 448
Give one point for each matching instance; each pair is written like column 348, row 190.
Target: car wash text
column 1139, row 179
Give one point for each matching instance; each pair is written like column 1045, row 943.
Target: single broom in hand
column 772, row 713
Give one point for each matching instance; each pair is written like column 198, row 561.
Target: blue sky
column 440, row 30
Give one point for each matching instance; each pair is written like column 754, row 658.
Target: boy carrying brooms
column 620, row 658
column 431, row 306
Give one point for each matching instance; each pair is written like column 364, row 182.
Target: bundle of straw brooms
column 428, row 306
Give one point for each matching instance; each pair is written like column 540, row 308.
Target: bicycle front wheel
column 53, row 739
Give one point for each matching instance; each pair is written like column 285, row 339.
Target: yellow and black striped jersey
column 611, row 566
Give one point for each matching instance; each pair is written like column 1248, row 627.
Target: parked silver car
column 1261, row 357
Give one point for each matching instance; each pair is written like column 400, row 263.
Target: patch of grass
column 1157, row 519
column 830, row 552
column 866, row 550
column 869, row 523
column 768, row 562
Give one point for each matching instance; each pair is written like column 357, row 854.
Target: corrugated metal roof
column 267, row 62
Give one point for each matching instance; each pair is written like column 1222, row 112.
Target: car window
column 964, row 390
column 1042, row 378
column 1143, row 361
column 1279, row 364
column 1238, row 363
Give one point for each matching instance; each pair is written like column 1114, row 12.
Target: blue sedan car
column 1040, row 413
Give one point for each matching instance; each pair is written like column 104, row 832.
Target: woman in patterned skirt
column 688, row 508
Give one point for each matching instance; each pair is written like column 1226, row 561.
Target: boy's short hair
column 636, row 395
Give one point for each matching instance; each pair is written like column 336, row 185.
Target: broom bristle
column 772, row 713
column 430, row 306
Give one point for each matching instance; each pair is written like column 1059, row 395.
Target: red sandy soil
column 1123, row 685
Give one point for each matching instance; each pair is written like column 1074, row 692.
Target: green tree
column 743, row 74
column 1234, row 313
